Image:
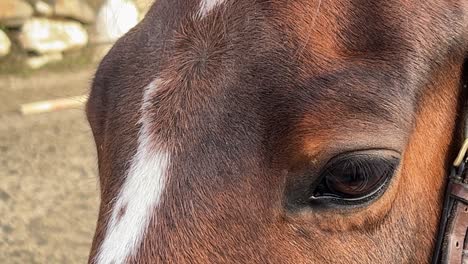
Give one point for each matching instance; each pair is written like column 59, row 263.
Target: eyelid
column 363, row 152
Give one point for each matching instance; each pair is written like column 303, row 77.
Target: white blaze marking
column 140, row 194
column 207, row 5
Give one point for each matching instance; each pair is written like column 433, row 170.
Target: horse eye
column 355, row 178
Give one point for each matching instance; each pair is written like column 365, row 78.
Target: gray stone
column 115, row 18
column 75, row 9
column 14, row 12
column 42, row 7
column 42, row 35
column 5, row 44
column 39, row 61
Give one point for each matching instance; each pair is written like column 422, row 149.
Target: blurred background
column 49, row 50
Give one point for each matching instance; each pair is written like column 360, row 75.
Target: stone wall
column 46, row 29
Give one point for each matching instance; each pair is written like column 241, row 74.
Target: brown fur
column 257, row 93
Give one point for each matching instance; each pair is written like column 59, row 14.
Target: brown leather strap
column 459, row 191
column 451, row 246
column 456, row 235
column 454, row 245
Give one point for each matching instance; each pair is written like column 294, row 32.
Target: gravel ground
column 48, row 182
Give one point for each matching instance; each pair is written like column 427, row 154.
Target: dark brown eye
column 355, row 177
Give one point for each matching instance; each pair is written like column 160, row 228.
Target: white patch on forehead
column 140, row 193
column 207, row 5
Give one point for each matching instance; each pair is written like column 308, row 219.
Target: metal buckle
column 459, row 165
column 461, row 157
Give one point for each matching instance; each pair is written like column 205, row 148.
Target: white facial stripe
column 140, row 194
column 207, row 5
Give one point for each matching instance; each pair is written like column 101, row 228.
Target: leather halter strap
column 452, row 241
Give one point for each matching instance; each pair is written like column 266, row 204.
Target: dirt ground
column 48, row 182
